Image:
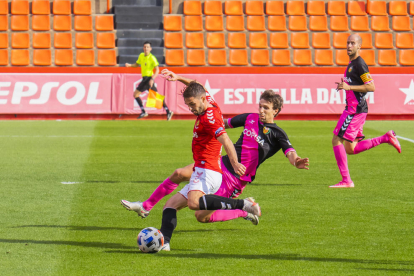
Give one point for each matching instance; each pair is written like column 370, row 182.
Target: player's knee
column 349, row 151
column 180, row 175
column 201, row 218
column 193, row 205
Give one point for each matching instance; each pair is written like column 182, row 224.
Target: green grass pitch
column 50, row 228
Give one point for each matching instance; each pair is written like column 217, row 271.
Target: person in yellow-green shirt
column 148, row 63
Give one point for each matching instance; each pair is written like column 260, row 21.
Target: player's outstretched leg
column 214, row 202
column 225, row 215
column 388, row 137
column 342, row 162
column 136, row 207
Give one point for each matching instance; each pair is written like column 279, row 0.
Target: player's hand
column 240, row 169
column 342, row 85
column 169, row 75
column 127, row 65
column 302, row 163
column 151, row 83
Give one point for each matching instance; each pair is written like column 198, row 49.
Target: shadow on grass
column 106, row 245
column 265, row 184
column 389, row 269
column 116, row 181
column 139, row 252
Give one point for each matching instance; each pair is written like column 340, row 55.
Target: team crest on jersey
column 350, row 69
column 266, row 130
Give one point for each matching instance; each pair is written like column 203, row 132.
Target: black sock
column 214, row 202
column 165, row 107
column 139, row 101
column 169, row 222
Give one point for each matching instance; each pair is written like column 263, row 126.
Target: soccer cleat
column 343, row 184
column 142, row 115
column 136, row 207
column 253, row 218
column 394, row 141
column 251, row 207
column 169, row 115
column 165, row 247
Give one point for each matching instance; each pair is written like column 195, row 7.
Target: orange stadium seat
column 368, row 56
column 85, row 57
column 302, row 57
column 275, row 8
column 20, row 40
column 359, row 23
column 254, row 8
column 233, row 8
column 387, row 57
column 104, row 23
column 41, row 40
column 4, row 7
column 83, row 23
column 318, row 23
column 216, row 40
column 406, row 57
column 19, row 7
column 377, row 7
column 62, row 40
column 398, row 8
column 366, row 40
column 4, row 41
column 299, row 40
column 316, row 8
column 196, row 57
column 341, row 57
column 336, row 8
column 40, row 23
column 105, row 40
column 321, row 40
column 107, row 57
column 217, row 57
column 214, row 23
column 404, row 40
column 356, row 8
column 259, row 57
column 279, row 40
column 380, row 23
column 4, row 57
column 19, row 23
column 339, row 40
column 194, row 40
column 297, row 23
column 236, row 40
column 61, row 7
column 173, row 40
column 192, row 7
column 384, row 41
column 238, row 57
column 401, row 23
column 84, row 40
column 63, row 57
column 276, row 23
column 172, row 23
column 174, row 57
column 41, row 7
column 412, row 8
column 4, row 23
column 62, row 23
column 42, row 57
column 193, row 23
column 255, row 23
column 82, row 7
column 20, row 57
column 339, row 23
column 281, row 57
column 258, row 40
column 323, row 57
column 235, row 23
column 295, row 8
column 213, row 8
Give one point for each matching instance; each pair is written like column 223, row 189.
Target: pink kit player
column 348, row 135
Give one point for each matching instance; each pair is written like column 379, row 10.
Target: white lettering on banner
column 239, row 96
column 335, row 97
column 259, row 92
column 4, row 92
column 249, row 92
column 370, row 97
column 322, row 96
column 20, row 91
column 306, row 96
column 93, row 93
column 45, row 93
column 228, row 96
column 79, row 95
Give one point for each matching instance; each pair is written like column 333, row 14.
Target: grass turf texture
column 50, row 228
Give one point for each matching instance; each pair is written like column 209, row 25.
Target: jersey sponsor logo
column 348, row 80
column 220, row 129
column 266, row 130
column 197, row 177
column 195, row 135
column 251, row 121
column 252, row 134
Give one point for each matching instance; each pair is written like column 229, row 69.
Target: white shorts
column 204, row 180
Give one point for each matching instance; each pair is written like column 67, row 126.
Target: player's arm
column 366, row 87
column 236, row 121
column 295, row 160
column 131, row 65
column 224, row 139
column 171, row 76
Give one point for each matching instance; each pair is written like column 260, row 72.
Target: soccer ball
column 150, row 240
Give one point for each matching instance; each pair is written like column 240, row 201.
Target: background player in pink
column 348, row 135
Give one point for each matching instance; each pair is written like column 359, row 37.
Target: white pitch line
column 406, row 139
column 69, row 183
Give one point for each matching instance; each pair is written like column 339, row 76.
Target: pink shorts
column 350, row 126
column 231, row 186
